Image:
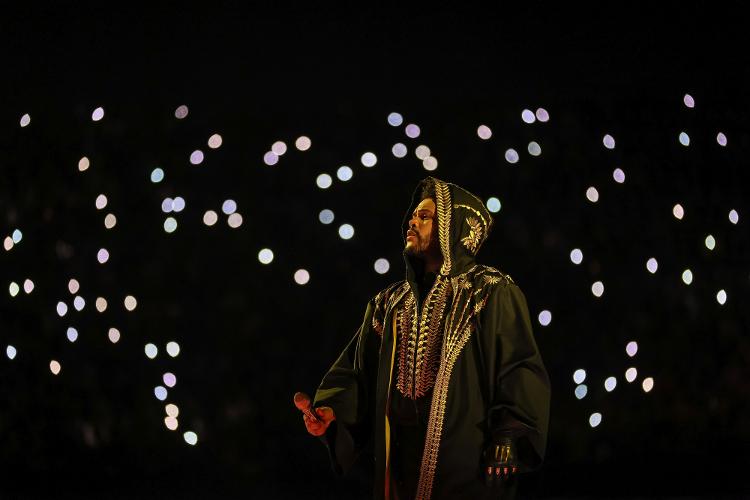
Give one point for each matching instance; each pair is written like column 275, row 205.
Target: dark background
column 251, row 337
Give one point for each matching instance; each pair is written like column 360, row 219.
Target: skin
column 421, row 243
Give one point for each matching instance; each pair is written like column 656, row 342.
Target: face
column 422, row 233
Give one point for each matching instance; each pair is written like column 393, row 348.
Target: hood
column 463, row 226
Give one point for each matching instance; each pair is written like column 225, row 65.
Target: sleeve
column 520, row 386
column 349, row 389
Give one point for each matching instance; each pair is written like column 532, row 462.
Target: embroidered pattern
column 475, row 235
column 443, row 195
column 384, row 301
column 420, row 340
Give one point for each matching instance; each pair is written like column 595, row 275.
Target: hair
column 428, row 189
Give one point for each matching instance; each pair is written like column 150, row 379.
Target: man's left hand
column 500, row 462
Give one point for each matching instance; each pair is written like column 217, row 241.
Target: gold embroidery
column 475, row 235
column 420, row 340
column 477, row 212
column 443, row 195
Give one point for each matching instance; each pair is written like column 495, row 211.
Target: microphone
column 303, row 404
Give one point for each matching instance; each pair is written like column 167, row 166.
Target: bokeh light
column 344, row 173
column 610, row 384
column 114, row 335
column 528, row 116
column 721, row 139
column 301, row 277
column 196, row 157
column 678, row 211
column 687, row 276
column 399, row 150
column 11, row 352
column 55, row 367
column 13, row 288
column 631, row 374
column 83, row 164
column 160, row 392
column 110, row 221
column 79, row 303
column 545, row 317
column 173, row 348
column 151, row 350
column 511, row 155
column 25, row 120
column 412, row 131
column 8, row 243
column 581, row 391
column 493, row 205
column 157, row 175
column 62, row 307
column 171, row 423
column 181, row 112
column 734, row 217
column 210, row 218
column 172, row 409
column 303, row 143
column 326, row 216
column 542, row 115
column 265, row 256
column 346, row 231
column 170, row 225
column 324, row 181
column 648, row 384
column 169, row 380
column 597, row 289
column 534, row 148
column 689, row 101
column 430, row 163
column 369, row 159
column 101, row 304
column 579, row 376
column 652, row 265
column 278, row 148
column 73, row 286
column 17, row 236
column 618, row 175
column 592, row 194
column 631, row 348
column 576, row 256
column 270, row 158
column 167, row 205
column 72, row 334
column 710, row 242
column 721, row 297
column 191, row 438
column 178, row 204
column 215, row 141
column 684, row 139
column 422, row 152
column 382, row 265
column 28, row 286
column 101, row 201
column 608, row 141
column 235, row 220
column 595, row 419
column 484, row 132
column 98, row 114
column 395, row 119
column 130, row 303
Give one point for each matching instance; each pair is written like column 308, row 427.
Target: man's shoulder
column 488, row 276
column 389, row 292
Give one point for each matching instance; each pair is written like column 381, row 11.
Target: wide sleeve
column 519, row 384
column 349, row 388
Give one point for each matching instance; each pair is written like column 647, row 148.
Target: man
column 444, row 373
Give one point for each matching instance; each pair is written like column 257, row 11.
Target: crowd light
column 114, row 335
column 412, row 131
column 151, row 350
column 678, row 211
column 721, row 139
column 631, row 374
column 369, row 159
column 157, row 175
column 430, row 163
column 545, row 317
column 399, row 150
column 173, row 349
column 55, row 367
column 579, row 376
column 265, row 256
column 511, row 155
column 684, row 139
column 610, row 384
column 301, row 277
column 484, row 132
column 395, row 119
column 595, row 419
column 326, row 216
column 215, row 141
column 534, row 148
column 608, row 141
column 493, row 205
column 346, row 231
column 581, row 391
column 344, row 173
column 303, row 143
column 382, row 266
column 648, row 384
column 270, row 158
column 687, row 276
column 210, row 218
column 324, row 181
column 528, row 116
column 72, row 334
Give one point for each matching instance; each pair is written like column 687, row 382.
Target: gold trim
column 443, row 195
column 387, row 422
column 477, row 212
column 474, row 239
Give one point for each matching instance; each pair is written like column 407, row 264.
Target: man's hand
column 325, row 417
column 500, row 462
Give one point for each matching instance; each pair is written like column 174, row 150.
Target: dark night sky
column 250, row 337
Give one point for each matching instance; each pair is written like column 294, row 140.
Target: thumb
column 325, row 413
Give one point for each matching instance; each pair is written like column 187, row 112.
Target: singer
column 443, row 378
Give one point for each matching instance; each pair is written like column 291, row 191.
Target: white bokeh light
column 542, row 115
column 157, row 175
column 101, row 201
column 430, row 163
column 684, row 139
column 55, row 367
column 8, row 243
column 270, row 158
column 721, row 297
column 191, row 438
column 592, row 194
column 28, row 286
column 710, row 242
column 721, row 139
column 279, row 148
column 303, row 143
column 13, row 288
column 493, row 205
column 235, row 220
column 25, row 120
column 631, row 374
column 171, row 423
column 399, row 150
column 110, row 221
column 101, row 304
column 576, row 256
column 610, row 384
column 79, row 303
column 687, row 276
column 62, row 308
column 130, row 303
column 265, row 256
column 534, row 148
column 382, row 266
column 618, row 175
column 652, row 265
column 395, row 119
column 160, row 392
column 528, row 116
column 595, row 419
column 484, row 132
column 579, row 376
column 170, row 225
column 545, row 317
column 167, row 205
column 734, row 217
column 326, row 216
column 631, row 348
column 171, row 409
column 511, row 155
column 173, row 349
column 369, row 159
column 301, row 276
column 689, row 101
column 83, row 164
column 324, row 181
column 210, row 218
column 608, row 141
column 178, row 204
column 114, row 335
column 72, row 334
column 196, row 157
column 678, row 211
column 422, row 152
column 597, row 289
column 346, row 231
column 648, row 384
column 98, row 114
column 229, row 207
column 151, row 350
column 412, row 131
column 11, row 352
column 581, row 391
column 73, row 286
column 181, row 112
column 344, row 173
column 170, row 380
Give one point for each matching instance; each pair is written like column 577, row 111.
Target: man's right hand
column 325, row 415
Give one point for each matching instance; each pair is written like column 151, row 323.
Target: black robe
column 487, row 382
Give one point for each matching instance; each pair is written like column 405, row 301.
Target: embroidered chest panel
column 420, row 336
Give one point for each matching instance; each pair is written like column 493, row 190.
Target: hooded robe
column 441, row 368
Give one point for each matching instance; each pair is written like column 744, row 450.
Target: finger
column 514, row 470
